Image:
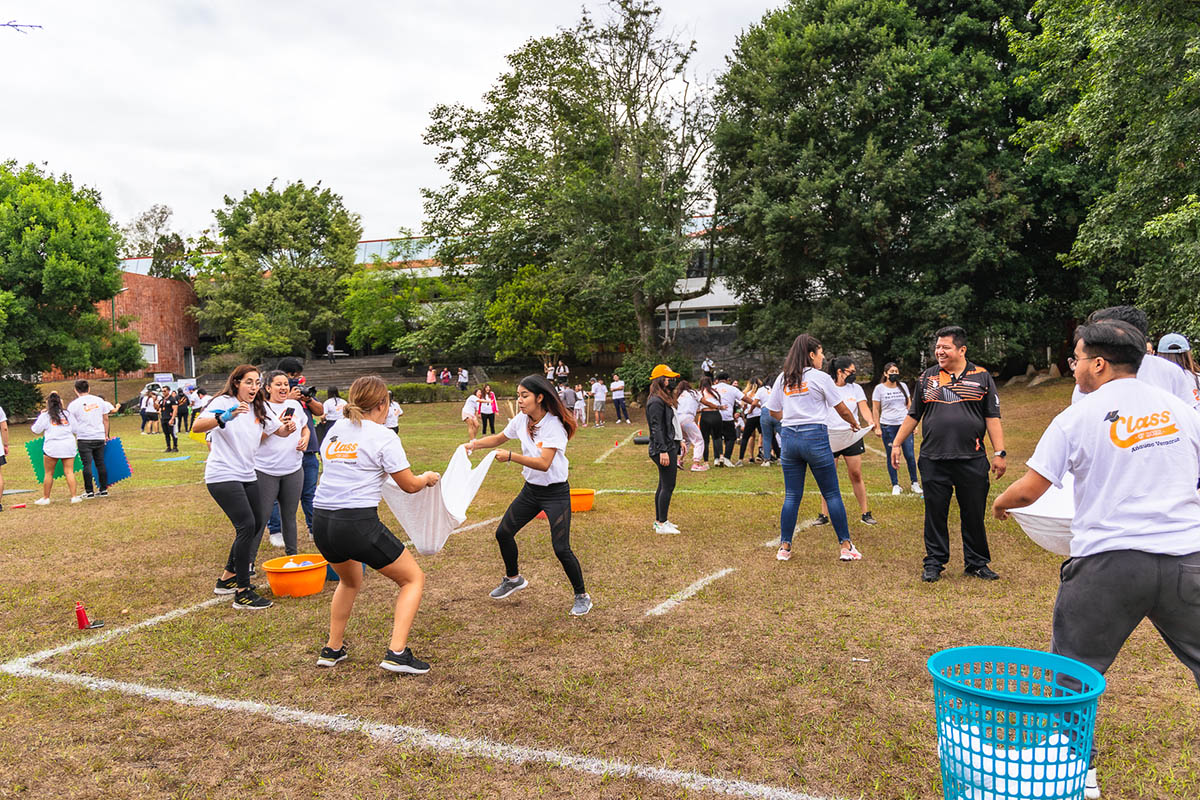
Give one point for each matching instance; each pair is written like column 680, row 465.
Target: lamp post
column 116, row 397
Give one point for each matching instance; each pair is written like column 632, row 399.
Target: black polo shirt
column 952, row 409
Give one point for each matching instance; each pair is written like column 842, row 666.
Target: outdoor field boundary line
column 759, row 493
column 679, row 597
column 875, row 451
column 614, row 448
column 803, row 526
column 475, row 525
column 405, row 735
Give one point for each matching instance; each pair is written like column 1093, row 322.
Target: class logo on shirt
column 340, row 451
column 792, row 391
column 90, row 407
column 1125, row 432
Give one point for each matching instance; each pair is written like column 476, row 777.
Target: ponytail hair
column 366, row 394
column 54, row 409
column 550, row 402
column 799, row 358
column 840, row 363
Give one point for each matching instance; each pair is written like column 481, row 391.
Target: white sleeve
column 392, row 456
column 513, row 429
column 775, row 399
column 877, row 393
column 41, row 423
column 1051, row 458
column 554, row 436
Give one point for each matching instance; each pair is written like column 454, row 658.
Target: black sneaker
column 226, row 585
column 931, row 574
column 821, row 520
column 405, row 662
column 89, row 495
column 250, row 600
column 983, row 573
column 102, row 493
column 330, row 657
column 867, row 518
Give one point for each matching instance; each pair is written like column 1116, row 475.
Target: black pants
column 93, row 450
column 240, row 503
column 168, row 430
column 750, row 430
column 619, row 407
column 968, row 478
column 488, row 419
column 666, row 486
column 729, row 434
column 555, row 500
column 710, row 428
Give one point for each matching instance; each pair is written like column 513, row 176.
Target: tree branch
column 19, row 26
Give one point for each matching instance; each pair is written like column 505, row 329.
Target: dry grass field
column 798, row 679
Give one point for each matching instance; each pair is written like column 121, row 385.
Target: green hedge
column 19, row 398
column 426, row 393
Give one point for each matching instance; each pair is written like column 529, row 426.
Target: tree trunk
column 644, row 310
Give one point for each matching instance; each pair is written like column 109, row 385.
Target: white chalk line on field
column 420, row 738
column 874, row 450
column 803, row 526
column 614, row 448
column 679, row 597
column 475, row 525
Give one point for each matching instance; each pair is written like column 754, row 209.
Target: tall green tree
column 582, row 162
column 383, row 300
column 868, row 189
column 1121, row 84
column 284, row 253
column 58, row 259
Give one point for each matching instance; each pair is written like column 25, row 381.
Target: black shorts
column 355, row 534
column 3, row 460
column 856, row 449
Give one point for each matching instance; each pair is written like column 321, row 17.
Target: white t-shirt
column 3, row 416
column 358, row 458
column 729, row 395
column 706, row 365
column 751, row 409
column 580, row 403
column 893, row 403
column 599, row 391
column 463, row 377
column 59, row 437
column 470, row 407
column 1135, row 453
column 201, row 401
column 333, row 409
column 87, row 413
column 618, row 390
column 562, row 369
column 148, row 403
column 393, row 415
column 806, row 404
column 851, row 394
column 548, row 433
column 689, row 404
column 235, row 446
column 1164, row 374
column 763, row 393
column 278, row 455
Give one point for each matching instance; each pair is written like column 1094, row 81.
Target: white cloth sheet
column 431, row 515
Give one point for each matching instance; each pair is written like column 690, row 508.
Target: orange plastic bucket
column 296, row 581
column 582, row 499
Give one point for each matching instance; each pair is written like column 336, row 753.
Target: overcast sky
column 167, row 101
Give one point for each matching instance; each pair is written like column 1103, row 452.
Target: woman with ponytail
column 543, row 426
column 359, row 454
column 57, row 447
column 240, row 423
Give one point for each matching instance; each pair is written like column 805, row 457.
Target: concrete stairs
column 322, row 374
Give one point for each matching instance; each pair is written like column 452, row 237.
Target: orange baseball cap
column 663, row 371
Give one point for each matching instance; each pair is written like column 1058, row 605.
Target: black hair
column 1130, row 315
column 332, row 393
column 270, row 376
column 291, row 365
column 955, row 332
column 81, row 386
column 682, row 386
column 551, row 403
column 722, row 376
column 799, row 358
column 1116, row 341
column 54, row 409
column 841, row 363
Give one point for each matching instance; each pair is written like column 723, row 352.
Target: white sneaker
column 672, row 527
column 76, row 499
column 916, row 487
column 785, row 552
column 1091, row 787
column 895, row 490
column 665, row 528
column 42, row 501
column 276, row 540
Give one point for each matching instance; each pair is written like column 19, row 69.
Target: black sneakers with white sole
column 404, row 662
column 330, row 657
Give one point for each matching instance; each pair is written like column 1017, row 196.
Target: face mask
column 851, row 376
column 671, row 385
column 893, row 377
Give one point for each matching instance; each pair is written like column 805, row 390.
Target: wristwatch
column 1001, row 454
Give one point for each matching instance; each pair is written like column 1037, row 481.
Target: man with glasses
column 957, row 403
column 1134, row 451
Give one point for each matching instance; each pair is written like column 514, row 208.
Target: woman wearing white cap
column 1174, row 347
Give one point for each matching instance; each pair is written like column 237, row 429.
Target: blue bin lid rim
column 1020, row 655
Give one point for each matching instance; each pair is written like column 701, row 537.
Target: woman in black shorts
column 359, row 454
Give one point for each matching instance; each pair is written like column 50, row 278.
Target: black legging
column 240, row 503
column 750, row 430
column 710, row 428
column 555, row 500
column 168, row 430
column 729, row 434
column 488, row 419
column 666, row 486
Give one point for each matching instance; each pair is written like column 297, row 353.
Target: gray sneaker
column 583, row 604
column 508, row 586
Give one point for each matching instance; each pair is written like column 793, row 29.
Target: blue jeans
column 311, row 467
column 889, row 436
column 768, row 426
column 808, row 446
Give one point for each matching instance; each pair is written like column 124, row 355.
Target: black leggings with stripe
column 555, row 500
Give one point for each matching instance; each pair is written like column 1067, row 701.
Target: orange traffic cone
column 81, row 617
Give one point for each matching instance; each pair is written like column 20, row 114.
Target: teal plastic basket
column 1013, row 724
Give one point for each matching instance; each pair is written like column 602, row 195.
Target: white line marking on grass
column 874, row 450
column 679, row 597
column 614, row 448
column 688, row 491
column 803, row 526
column 419, row 738
column 475, row 525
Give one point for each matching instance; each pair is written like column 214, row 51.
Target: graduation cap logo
column 1112, row 416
